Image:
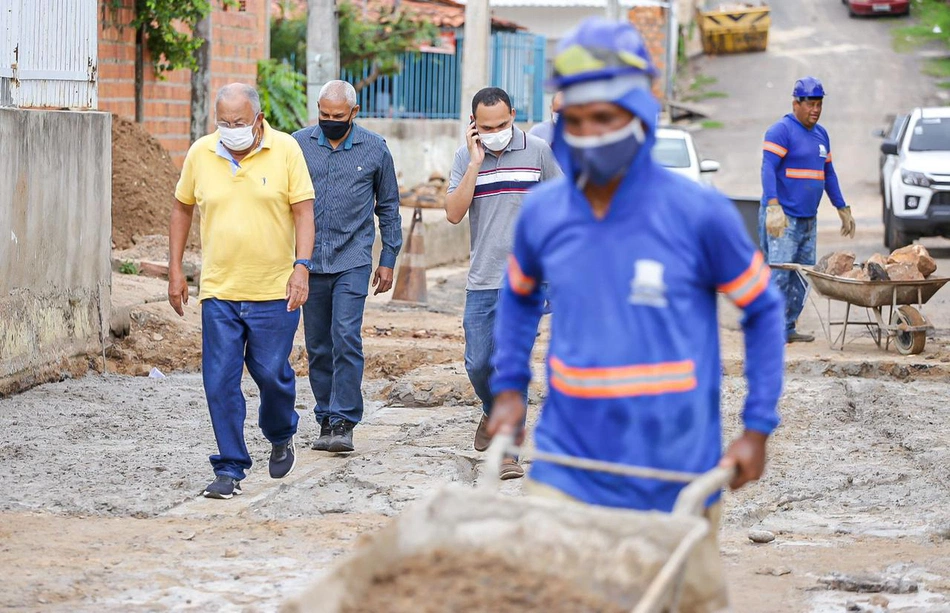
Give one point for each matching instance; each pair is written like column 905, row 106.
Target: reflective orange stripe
column 750, row 284
column 803, row 173
column 828, row 159
column 774, row 148
column 622, row 381
column 520, row 283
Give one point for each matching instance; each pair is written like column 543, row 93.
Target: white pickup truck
column 916, row 178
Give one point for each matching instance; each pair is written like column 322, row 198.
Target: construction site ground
column 100, row 474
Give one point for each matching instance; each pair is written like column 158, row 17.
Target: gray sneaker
column 223, row 487
column 798, row 337
column 341, row 437
column 283, row 458
column 323, row 442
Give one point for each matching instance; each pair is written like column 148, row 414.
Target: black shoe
column 341, row 437
column 323, row 442
column 223, row 487
column 798, row 337
column 282, row 459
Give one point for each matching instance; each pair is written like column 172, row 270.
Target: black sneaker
column 223, row 487
column 282, row 459
column 341, row 437
column 323, row 442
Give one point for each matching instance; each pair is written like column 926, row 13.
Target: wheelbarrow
column 905, row 321
column 634, row 559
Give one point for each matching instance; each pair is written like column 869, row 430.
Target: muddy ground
column 99, row 508
column 100, row 475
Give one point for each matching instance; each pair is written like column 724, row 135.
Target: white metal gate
column 48, row 53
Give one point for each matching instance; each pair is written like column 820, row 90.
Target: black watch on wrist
column 306, row 263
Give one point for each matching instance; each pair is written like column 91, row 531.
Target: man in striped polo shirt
column 353, row 176
column 491, row 174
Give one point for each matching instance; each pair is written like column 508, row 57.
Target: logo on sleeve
column 647, row 287
column 822, row 152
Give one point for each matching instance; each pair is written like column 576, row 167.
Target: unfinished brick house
column 240, row 37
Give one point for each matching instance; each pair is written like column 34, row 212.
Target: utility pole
column 613, row 10
column 672, row 48
column 323, row 50
column 475, row 73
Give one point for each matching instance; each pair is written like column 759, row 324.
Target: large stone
column 836, row 263
column 876, row 271
column 904, row 271
column 858, row 274
column 916, row 255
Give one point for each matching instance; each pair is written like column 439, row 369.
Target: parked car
column 893, row 126
column 877, row 7
column 917, row 179
column 675, row 150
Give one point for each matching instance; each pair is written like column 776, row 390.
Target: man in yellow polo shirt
column 255, row 198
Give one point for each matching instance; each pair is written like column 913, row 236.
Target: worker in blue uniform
column 634, row 257
column 796, row 171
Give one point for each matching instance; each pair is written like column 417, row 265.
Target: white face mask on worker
column 237, row 139
column 496, row 141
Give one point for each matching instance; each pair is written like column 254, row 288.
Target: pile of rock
column 428, row 195
column 911, row 263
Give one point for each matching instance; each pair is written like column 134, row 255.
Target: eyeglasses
column 236, row 125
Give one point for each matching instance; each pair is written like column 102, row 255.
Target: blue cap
column 809, row 87
column 600, row 50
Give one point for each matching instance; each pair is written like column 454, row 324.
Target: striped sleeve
column 750, row 284
column 738, row 269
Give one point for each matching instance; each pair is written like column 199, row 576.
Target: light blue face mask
column 603, row 158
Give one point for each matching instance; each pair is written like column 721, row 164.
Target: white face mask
column 496, row 141
column 237, row 139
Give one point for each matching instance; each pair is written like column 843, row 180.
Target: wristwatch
column 307, row 264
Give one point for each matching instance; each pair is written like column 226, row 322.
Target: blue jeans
column 260, row 335
column 332, row 321
column 479, row 325
column 796, row 246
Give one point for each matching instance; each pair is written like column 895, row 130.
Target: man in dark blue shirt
column 353, row 177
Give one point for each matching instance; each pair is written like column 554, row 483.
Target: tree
column 380, row 40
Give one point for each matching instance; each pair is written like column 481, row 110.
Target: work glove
column 775, row 220
column 847, row 222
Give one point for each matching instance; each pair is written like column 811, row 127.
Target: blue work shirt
column 351, row 183
column 797, row 168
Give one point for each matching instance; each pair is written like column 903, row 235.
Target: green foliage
column 283, row 95
column 933, row 24
column 380, row 39
column 128, row 267
column 711, row 124
column 168, row 26
column 288, row 41
column 939, row 68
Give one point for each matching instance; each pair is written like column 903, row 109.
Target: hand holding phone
column 476, row 150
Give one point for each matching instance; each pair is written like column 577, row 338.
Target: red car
column 877, row 7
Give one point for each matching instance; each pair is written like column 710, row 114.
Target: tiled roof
column 443, row 13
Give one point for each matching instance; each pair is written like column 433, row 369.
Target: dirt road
column 98, row 509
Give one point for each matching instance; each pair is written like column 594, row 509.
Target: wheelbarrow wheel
column 909, row 343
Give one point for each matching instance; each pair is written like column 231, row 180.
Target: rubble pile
column 428, row 195
column 911, row 263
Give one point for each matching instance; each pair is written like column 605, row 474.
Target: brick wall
column 651, row 21
column 239, row 40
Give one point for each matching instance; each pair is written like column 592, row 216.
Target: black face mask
column 335, row 130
